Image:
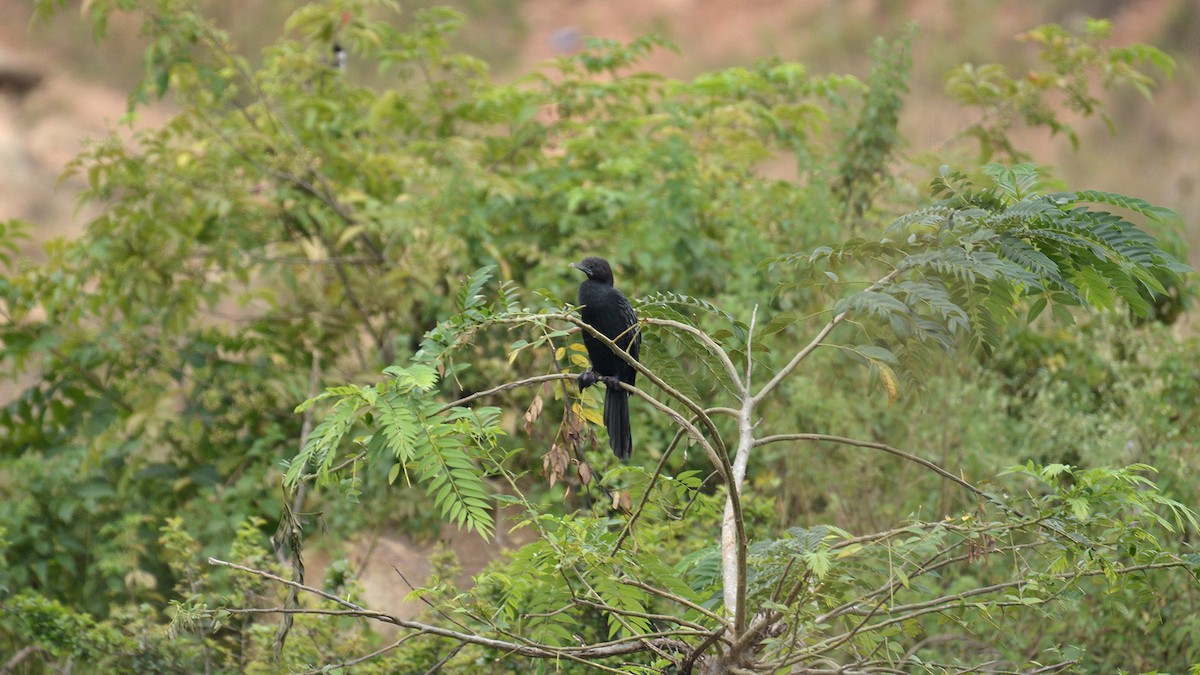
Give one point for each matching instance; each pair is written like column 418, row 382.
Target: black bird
column 606, row 309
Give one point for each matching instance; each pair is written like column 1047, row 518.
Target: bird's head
column 596, row 269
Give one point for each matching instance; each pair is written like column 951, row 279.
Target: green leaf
column 871, row 302
column 1145, row 208
column 469, row 294
column 418, row 376
column 1035, row 310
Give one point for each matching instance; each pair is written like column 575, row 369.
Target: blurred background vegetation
column 87, row 81
column 130, row 452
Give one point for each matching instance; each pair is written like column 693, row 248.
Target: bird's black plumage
column 606, row 309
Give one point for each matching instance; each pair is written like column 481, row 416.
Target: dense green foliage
column 387, row 243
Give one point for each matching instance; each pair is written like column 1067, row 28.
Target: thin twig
column 708, row 342
column 874, row 446
column 24, row 653
column 916, row 609
column 820, row 337
column 637, row 511
column 445, row 659
column 426, row 600
column 677, row 599
column 537, row 379
column 585, row 654
column 365, row 657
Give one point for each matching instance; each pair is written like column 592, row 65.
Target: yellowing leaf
column 313, row 249
column 590, row 414
column 890, row 382
column 348, row 234
column 849, row 550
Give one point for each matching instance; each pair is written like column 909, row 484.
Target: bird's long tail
column 616, row 421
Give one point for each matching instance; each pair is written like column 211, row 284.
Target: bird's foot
column 611, row 381
column 587, row 378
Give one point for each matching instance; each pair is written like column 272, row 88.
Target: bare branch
column 637, row 511
column 537, row 379
column 615, row 614
column 820, row 337
column 686, row 667
column 902, row 613
column 667, row 618
column 583, row 654
column 445, row 659
column 677, row 599
column 708, row 342
column 426, row 600
column 361, row 613
column 22, row 654
column 714, row 456
column 874, row 446
column 717, row 410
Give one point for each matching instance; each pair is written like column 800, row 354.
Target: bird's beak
column 577, row 266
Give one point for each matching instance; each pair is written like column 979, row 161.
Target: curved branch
column 694, row 432
column 820, row 337
column 686, row 667
column 698, row 436
column 902, row 613
column 637, row 511
column 874, row 446
column 537, row 379
column 677, row 599
column 24, row 653
column 718, row 410
column 708, row 342
column 583, row 654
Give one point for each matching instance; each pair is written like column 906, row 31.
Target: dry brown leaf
column 531, row 415
column 621, row 501
column 555, row 463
